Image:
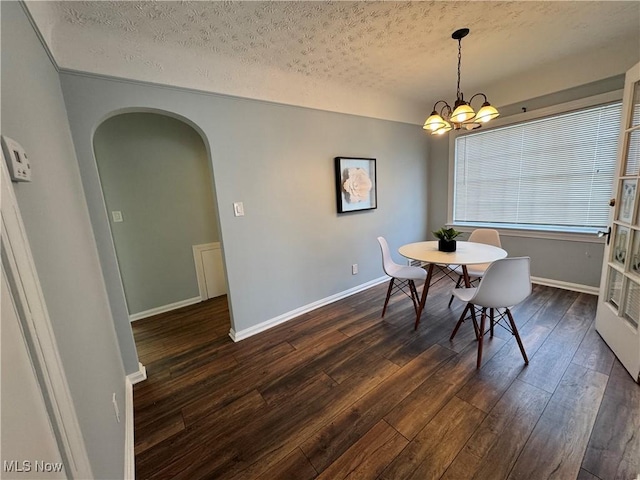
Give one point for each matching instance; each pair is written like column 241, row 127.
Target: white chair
column 506, row 283
column 402, row 277
column 488, row 236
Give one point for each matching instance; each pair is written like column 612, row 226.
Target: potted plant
column 446, row 239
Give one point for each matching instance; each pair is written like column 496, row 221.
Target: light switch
column 117, row 216
column 238, row 209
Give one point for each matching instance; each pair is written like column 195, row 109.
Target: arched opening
column 159, row 194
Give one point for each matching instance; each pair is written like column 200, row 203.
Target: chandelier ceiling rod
column 462, row 114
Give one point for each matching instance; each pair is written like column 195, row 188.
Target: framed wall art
column 356, row 185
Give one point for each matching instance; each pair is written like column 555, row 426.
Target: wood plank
column 274, row 434
column 431, row 452
column 294, row 466
column 562, row 433
column 594, row 353
column 152, row 435
column 550, row 361
column 214, row 392
column 368, row 456
column 333, row 439
column 584, row 475
column 498, row 373
column 614, row 447
column 218, row 424
column 414, row 412
column 500, row 438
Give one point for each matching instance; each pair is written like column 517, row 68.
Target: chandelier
column 462, row 114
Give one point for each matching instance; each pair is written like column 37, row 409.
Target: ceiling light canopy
column 462, row 115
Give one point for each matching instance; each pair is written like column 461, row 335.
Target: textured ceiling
column 383, row 59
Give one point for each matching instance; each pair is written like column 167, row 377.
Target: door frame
column 24, row 285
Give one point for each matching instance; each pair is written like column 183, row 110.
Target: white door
column 209, row 270
column 618, row 312
column 214, row 272
column 27, row 434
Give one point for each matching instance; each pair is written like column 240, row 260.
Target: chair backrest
column 387, row 261
column 488, row 236
column 505, row 283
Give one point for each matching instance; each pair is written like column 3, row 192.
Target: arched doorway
column 159, row 194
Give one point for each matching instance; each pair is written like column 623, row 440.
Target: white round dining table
column 466, row 253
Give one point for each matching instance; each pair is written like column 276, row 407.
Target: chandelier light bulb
column 486, row 113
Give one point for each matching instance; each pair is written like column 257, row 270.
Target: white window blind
column 553, row 173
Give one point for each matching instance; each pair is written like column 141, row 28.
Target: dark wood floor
column 340, row 393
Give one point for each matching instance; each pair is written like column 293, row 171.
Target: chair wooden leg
column 414, row 295
column 455, row 330
column 483, row 318
column 423, row 296
column 476, row 328
column 457, row 286
column 386, row 301
column 517, row 335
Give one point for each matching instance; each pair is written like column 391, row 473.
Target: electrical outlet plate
column 17, row 160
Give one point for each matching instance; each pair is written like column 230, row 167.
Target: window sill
column 588, row 235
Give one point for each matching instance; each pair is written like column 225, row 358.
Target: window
column 553, row 173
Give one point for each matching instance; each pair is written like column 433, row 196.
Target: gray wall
column 155, row 170
column 56, row 219
column 577, row 262
column 291, row 248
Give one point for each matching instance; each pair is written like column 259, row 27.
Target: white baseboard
column 139, row 376
column 129, row 447
column 576, row 287
column 266, row 325
column 129, row 444
column 164, row 308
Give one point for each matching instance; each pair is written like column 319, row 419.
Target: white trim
column 139, row 376
column 575, row 287
column 129, row 439
column 266, row 325
column 549, row 235
column 164, row 308
column 129, row 424
column 26, row 290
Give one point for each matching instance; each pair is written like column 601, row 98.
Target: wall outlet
column 117, row 216
column 354, row 269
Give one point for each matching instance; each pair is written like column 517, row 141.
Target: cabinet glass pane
column 634, row 266
column 619, row 250
column 627, row 200
column 635, row 116
column 633, row 154
column 632, row 303
column 614, row 289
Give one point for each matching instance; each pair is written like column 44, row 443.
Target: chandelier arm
column 445, row 111
column 436, row 104
column 478, row 94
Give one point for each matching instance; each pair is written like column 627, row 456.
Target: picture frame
column 356, row 184
column 627, row 200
